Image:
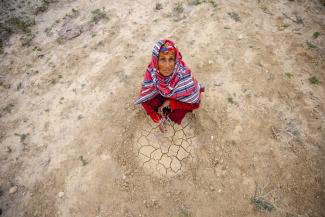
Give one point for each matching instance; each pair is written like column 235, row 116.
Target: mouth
column 166, row 72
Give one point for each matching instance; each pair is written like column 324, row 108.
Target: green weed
column 22, row 137
column 310, row 45
column 1, row 47
column 195, row 2
column 213, row 3
column 98, row 15
column 83, row 161
column 314, row 80
column 27, row 39
column 234, row 16
column 259, row 199
column 289, row 75
column 178, row 9
column 158, row 6
column 21, row 24
column 43, row 7
column 8, row 108
column 73, row 14
column 316, row 35
column 60, row 40
column 283, row 27
column 231, row 100
column 262, row 204
column 299, row 20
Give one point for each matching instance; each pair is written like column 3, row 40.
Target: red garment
column 178, row 109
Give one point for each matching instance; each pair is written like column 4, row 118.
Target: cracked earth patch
column 165, row 154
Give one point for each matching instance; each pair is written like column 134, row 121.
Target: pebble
column 61, row 194
column 210, row 62
column 211, row 137
column 13, row 190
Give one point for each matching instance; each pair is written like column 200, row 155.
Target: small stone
column 61, row 194
column 211, row 188
column 240, row 37
column 210, row 62
column 211, row 137
column 13, row 190
column 219, row 190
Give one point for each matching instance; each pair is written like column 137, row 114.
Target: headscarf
column 179, row 85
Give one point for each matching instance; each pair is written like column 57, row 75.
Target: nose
column 169, row 63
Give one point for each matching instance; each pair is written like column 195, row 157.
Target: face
column 166, row 63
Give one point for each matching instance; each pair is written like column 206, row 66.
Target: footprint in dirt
column 165, row 154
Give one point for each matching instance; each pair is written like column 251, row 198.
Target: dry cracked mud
column 165, row 154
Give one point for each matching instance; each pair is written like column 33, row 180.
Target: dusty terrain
column 73, row 144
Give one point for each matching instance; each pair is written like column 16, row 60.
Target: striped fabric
column 180, row 85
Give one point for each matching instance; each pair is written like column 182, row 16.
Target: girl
column 168, row 91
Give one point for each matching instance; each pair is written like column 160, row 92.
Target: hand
column 165, row 104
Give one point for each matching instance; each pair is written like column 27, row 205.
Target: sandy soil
column 73, row 143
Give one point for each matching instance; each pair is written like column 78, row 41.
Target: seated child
column 168, row 91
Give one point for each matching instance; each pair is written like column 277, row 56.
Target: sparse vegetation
column 43, row 7
column 298, row 19
column 259, row 199
column 213, row 3
column 289, row 75
column 60, row 40
column 310, row 45
column 1, row 47
column 262, row 204
column 37, row 48
column 22, row 137
column 83, row 161
column 158, row 6
column 47, row 30
column 231, row 100
column 283, row 27
column 314, row 80
column 98, row 15
column 73, row 14
column 21, row 24
column 234, row 16
column 26, row 40
column 178, row 9
column 316, row 35
column 195, row 2
column 8, row 108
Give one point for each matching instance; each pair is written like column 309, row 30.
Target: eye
column 171, row 59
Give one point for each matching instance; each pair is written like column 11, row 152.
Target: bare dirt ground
column 73, row 143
